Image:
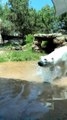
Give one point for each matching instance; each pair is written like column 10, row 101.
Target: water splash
column 49, row 74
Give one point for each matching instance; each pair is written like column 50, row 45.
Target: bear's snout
column 40, row 63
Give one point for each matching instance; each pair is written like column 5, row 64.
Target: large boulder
column 54, row 40
column 59, row 40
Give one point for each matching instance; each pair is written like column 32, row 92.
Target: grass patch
column 20, row 55
column 26, row 54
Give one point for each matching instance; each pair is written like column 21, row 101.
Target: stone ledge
column 54, row 40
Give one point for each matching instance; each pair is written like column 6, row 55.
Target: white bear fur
column 56, row 64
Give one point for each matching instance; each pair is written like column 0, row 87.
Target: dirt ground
column 20, row 70
column 27, row 70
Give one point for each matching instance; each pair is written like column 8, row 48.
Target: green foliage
column 7, row 27
column 17, row 17
column 29, row 38
column 63, row 19
column 20, row 56
column 44, row 43
column 1, row 11
column 26, row 54
column 33, row 17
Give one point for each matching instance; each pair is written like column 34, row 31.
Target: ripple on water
column 23, row 100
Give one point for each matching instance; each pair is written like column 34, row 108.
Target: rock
column 59, row 40
column 36, row 42
column 53, row 35
column 54, row 40
column 1, row 40
column 36, row 48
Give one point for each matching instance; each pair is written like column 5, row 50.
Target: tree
column 63, row 19
column 19, row 15
column 47, row 21
column 33, row 16
column 18, row 18
column 1, row 11
column 7, row 25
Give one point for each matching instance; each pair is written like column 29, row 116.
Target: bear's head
column 46, row 61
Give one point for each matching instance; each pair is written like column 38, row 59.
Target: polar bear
column 54, row 65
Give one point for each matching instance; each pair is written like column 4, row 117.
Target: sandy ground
column 20, row 70
column 27, row 70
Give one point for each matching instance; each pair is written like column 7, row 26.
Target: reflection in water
column 23, row 100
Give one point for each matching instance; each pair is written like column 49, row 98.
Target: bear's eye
column 52, row 58
column 45, row 59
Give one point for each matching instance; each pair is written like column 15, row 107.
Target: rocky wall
column 51, row 41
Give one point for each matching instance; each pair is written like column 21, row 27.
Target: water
column 23, row 95
column 23, row 100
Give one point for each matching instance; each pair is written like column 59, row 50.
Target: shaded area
column 8, row 37
column 23, row 100
column 49, row 47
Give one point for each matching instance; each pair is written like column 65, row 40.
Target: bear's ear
column 53, row 59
